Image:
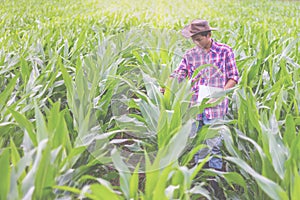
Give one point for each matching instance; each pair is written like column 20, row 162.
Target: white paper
column 207, row 91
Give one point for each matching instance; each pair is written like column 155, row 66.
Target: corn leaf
column 5, row 174
column 271, row 188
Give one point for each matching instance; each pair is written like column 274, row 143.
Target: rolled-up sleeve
column 231, row 68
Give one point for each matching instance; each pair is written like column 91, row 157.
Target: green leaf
column 29, row 180
column 295, row 183
column 131, row 124
column 25, row 70
column 151, row 114
column 175, row 147
column 123, row 171
column 15, row 156
column 5, row 174
column 267, row 167
column 134, row 183
column 151, row 88
column 45, row 175
column 41, row 129
column 152, row 175
column 278, row 152
column 160, row 183
column 68, row 82
column 199, row 68
column 176, row 118
column 162, row 128
column 6, row 93
column 73, row 190
column 271, row 188
column 233, row 178
column 102, row 192
column 25, row 123
column 290, row 130
column 288, row 48
column 198, row 167
column 292, row 173
column 57, row 126
column 73, row 156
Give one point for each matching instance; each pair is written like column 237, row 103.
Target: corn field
column 82, row 115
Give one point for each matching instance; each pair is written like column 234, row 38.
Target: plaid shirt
column 222, row 68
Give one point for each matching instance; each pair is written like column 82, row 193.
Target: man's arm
column 180, row 73
column 230, row 83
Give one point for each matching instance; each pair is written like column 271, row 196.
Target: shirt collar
column 213, row 47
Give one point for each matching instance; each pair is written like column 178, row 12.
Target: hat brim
column 187, row 34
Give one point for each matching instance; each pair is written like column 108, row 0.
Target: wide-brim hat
column 196, row 26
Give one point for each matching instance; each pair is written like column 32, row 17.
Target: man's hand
column 230, row 83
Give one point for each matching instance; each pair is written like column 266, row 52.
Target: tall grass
column 81, row 115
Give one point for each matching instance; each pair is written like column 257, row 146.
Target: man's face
column 202, row 41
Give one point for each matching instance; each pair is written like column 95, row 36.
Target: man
column 219, row 72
